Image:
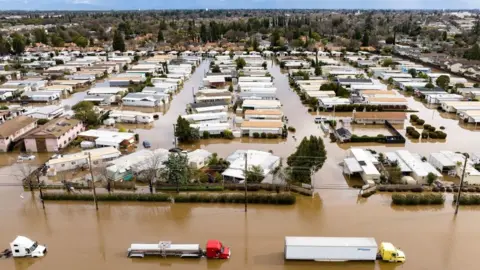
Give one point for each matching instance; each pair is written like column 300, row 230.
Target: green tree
column 387, row 62
column 318, row 71
column 118, row 43
column 216, row 69
column 4, row 46
column 431, row 177
column 443, row 81
column 57, row 41
column 230, row 88
column 240, row 62
column 366, row 39
column 176, row 170
column 308, row 158
column 264, row 65
column 160, row 37
column 255, row 174
column 40, row 35
column 81, row 41
column 429, row 85
column 217, row 164
column 184, row 132
column 84, row 112
column 18, row 43
column 473, row 53
column 413, row 72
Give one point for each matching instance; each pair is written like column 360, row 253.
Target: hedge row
column 187, row 198
column 403, row 188
column 258, row 198
column 264, row 135
column 140, row 197
column 189, row 188
column 380, row 138
column 418, row 199
column 468, row 199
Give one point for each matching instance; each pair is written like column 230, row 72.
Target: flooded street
column 80, row 238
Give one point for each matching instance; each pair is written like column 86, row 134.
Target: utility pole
column 461, row 184
column 245, row 181
column 40, row 189
column 93, row 181
column 174, row 136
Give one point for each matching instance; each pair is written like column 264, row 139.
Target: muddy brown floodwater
column 80, row 238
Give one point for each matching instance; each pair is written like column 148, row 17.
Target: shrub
column 259, row 198
column 206, row 134
column 190, row 188
column 227, row 134
column 420, row 122
column 256, row 135
column 415, row 134
column 42, row 121
column 263, row 135
column 272, row 136
column 427, row 126
column 440, row 134
column 418, row 199
column 413, row 117
column 291, row 129
column 433, row 135
column 442, row 127
column 424, row 134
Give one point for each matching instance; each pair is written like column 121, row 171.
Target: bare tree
column 103, row 174
column 150, row 168
column 27, row 173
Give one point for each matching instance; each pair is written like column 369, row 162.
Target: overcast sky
column 238, row 4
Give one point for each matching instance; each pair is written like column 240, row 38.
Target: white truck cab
column 25, row 247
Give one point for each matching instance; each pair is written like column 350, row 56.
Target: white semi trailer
column 340, row 249
column 25, row 247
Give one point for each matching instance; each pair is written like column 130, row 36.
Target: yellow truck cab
column 388, row 252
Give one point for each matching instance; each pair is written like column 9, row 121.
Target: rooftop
column 11, row 126
column 263, row 112
column 380, row 115
column 54, row 128
column 262, row 124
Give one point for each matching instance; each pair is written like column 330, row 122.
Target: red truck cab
column 216, row 250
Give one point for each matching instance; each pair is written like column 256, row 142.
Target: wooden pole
column 461, row 184
column 245, row 181
column 93, row 181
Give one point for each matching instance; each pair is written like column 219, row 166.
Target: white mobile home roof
column 363, row 155
column 105, row 90
column 206, row 116
column 352, row 165
column 262, row 103
column 392, row 156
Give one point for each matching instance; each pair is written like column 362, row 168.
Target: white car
column 26, row 157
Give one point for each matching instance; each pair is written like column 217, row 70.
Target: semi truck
column 340, row 249
column 213, row 250
column 25, row 247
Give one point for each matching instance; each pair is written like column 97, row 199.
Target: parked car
column 25, row 157
column 146, row 144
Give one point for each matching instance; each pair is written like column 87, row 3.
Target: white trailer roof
column 331, row 241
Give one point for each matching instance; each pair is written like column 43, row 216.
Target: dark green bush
column 291, row 129
column 418, row 199
column 420, row 122
column 263, row 135
column 206, row 134
column 256, row 135
column 189, row 188
column 259, row 198
column 413, row 117
column 140, row 197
